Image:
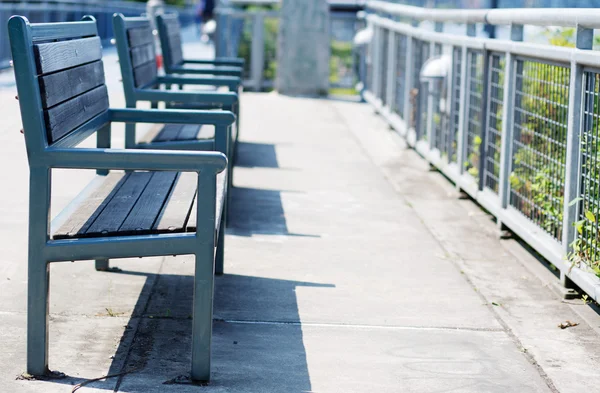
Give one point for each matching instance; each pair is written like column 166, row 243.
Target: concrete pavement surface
column 350, row 267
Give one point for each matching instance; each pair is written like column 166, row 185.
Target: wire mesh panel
column 456, row 105
column 474, row 118
column 383, row 60
column 586, row 247
column 539, row 143
column 242, row 28
column 342, row 61
column 400, row 74
column 493, row 138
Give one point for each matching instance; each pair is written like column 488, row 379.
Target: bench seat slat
column 177, row 209
column 141, row 218
column 178, row 132
column 65, row 117
column 221, row 184
column 140, row 203
column 63, row 85
column 78, row 223
column 56, row 56
column 192, row 132
column 168, row 133
column 117, row 210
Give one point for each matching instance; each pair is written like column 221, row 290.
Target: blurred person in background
column 204, row 14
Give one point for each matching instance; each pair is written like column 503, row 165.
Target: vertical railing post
column 464, row 107
column 375, row 78
column 257, row 54
column 432, row 95
column 408, row 79
column 484, row 118
column 508, row 110
column 391, row 70
column 584, row 40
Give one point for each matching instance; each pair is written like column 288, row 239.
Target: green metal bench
column 169, row 31
column 141, row 82
column 142, row 203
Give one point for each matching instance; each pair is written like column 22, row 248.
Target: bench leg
column 102, row 265
column 220, row 257
column 37, row 316
column 38, row 272
column 203, row 313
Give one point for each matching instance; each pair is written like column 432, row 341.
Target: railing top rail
column 565, row 17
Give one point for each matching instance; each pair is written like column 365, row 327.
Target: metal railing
column 252, row 34
column 513, row 124
column 39, row 11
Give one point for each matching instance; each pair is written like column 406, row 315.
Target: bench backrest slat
column 65, row 82
column 169, row 30
column 56, row 56
column 60, row 86
column 142, row 54
column 137, row 53
column 145, row 74
column 65, row 117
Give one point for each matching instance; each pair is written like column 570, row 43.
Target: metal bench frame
column 173, row 66
column 44, row 155
column 172, row 98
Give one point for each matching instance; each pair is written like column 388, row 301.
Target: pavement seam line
column 359, row 326
column 457, row 261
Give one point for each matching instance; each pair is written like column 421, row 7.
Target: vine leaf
column 590, row 216
column 574, row 201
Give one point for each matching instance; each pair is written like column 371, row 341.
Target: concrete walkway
column 350, row 267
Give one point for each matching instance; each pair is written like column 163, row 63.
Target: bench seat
column 139, row 203
column 178, row 132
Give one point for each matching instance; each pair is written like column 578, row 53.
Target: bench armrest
column 232, row 82
column 217, row 70
column 178, row 116
column 188, row 97
column 221, row 61
column 135, row 159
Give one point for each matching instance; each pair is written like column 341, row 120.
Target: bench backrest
column 60, row 80
column 169, row 31
column 137, row 54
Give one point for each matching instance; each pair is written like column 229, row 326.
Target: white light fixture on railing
column 436, row 68
column 363, row 37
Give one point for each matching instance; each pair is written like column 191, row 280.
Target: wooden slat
column 173, row 27
column 142, row 55
column 221, row 186
column 87, row 212
column 145, row 74
column 168, row 133
column 183, row 132
column 143, row 215
column 61, row 31
column 177, row 208
column 117, row 210
column 176, row 49
column 56, row 56
column 140, row 36
column 188, row 132
column 63, row 85
column 65, row 117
